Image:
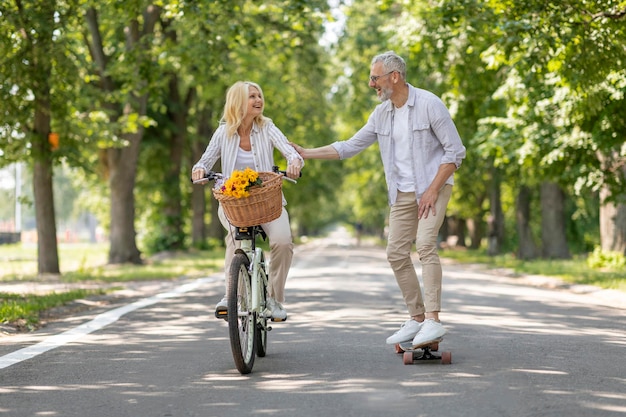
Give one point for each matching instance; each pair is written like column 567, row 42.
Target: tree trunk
column 612, row 211
column 612, row 224
column 47, row 250
column 553, row 225
column 527, row 248
column 475, row 232
column 123, row 162
column 123, row 169
column 453, row 232
column 495, row 223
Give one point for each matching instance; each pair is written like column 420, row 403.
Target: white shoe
column 431, row 331
column 407, row 331
column 275, row 310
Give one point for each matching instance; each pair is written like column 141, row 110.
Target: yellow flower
column 240, row 182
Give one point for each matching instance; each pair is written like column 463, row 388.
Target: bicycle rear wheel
column 241, row 318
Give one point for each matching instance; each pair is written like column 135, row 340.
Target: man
column 420, row 149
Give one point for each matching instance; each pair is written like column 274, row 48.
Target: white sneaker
column 221, row 309
column 407, row 331
column 275, row 310
column 431, row 331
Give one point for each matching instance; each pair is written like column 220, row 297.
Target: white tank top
column 244, row 160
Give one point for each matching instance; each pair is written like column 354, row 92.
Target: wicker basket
column 264, row 204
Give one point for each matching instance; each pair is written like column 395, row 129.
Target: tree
column 575, row 81
column 124, row 79
column 34, row 93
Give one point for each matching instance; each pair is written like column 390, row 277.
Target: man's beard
column 385, row 94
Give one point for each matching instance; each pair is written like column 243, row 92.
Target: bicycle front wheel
column 261, row 326
column 241, row 318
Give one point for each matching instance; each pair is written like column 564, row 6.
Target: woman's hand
column 294, row 168
column 198, row 174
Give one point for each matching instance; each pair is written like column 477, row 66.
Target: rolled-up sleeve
column 446, row 133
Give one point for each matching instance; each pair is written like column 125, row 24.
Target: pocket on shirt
column 421, row 126
column 382, row 131
column 422, row 135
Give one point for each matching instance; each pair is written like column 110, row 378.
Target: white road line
column 97, row 323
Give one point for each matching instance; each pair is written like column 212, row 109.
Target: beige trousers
column 281, row 252
column 404, row 228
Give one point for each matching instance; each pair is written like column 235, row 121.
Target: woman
column 245, row 138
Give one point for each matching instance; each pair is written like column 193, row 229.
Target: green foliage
column 536, row 90
column 600, row 259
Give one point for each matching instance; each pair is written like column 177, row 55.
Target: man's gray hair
column 391, row 62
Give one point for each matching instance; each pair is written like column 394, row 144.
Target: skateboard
column 423, row 352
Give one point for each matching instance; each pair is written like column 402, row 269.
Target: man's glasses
column 374, row 78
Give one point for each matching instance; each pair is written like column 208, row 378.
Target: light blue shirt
column 434, row 140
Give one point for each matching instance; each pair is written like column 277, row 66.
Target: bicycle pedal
column 243, row 233
column 221, row 314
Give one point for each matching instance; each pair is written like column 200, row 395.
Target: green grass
column 574, row 271
column 87, row 263
column 23, row 310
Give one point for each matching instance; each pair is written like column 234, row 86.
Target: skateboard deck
column 423, row 352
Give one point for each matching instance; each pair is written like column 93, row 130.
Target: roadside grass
column 86, row 263
column 23, row 310
column 573, row 271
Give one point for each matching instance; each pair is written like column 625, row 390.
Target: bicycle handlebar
column 212, row 176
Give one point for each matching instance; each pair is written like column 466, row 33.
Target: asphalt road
column 517, row 350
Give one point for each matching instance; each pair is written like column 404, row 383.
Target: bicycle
column 247, row 294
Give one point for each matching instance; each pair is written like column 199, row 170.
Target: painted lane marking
column 97, row 323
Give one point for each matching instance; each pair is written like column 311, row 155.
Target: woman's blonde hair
column 236, row 106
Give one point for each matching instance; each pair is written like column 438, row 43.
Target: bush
column 606, row 259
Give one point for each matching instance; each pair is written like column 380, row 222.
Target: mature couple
column 420, row 150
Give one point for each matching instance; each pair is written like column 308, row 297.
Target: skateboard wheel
column 398, row 348
column 407, row 358
column 434, row 347
column 446, row 358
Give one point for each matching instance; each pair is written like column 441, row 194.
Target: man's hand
column 426, row 204
column 298, row 149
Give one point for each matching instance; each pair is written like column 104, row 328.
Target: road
column 517, row 350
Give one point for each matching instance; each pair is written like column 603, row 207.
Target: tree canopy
column 132, row 92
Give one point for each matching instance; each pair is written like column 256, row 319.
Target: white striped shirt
column 263, row 140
